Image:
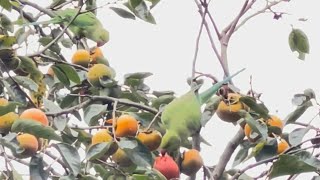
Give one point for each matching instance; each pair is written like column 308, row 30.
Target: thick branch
column 225, row 157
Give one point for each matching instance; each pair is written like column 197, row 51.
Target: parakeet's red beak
column 100, row 43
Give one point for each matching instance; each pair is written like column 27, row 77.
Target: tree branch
column 268, row 6
column 16, row 83
column 58, row 36
column 62, row 62
column 288, row 151
column 46, row 11
column 226, row 155
column 236, row 20
column 213, row 46
column 214, row 25
column 197, row 46
column 102, row 98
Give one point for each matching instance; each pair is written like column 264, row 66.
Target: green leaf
column 123, row 13
column 154, row 3
column 61, row 75
column 99, row 150
column 268, row 150
column 256, row 127
column 258, row 108
column 138, row 75
column 162, row 93
column 298, row 41
column 67, row 43
column 70, row 72
column 15, row 92
column 6, row 23
column 54, row 47
column 94, row 112
column 26, row 82
column 140, row 177
column 34, row 128
column 140, row 9
column 10, row 107
column 70, row 156
column 241, row 156
column 56, row 3
column 137, row 152
column 59, row 122
column 50, row 106
column 6, row 5
column 294, row 164
column 162, row 100
column 69, row 100
column 7, row 41
column 296, row 136
column 36, row 168
column 103, row 172
column 296, row 114
column 210, row 109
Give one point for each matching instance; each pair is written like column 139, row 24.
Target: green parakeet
column 181, row 117
column 85, row 25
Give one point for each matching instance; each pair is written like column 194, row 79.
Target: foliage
column 25, row 85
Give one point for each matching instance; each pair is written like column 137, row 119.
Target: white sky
column 261, row 46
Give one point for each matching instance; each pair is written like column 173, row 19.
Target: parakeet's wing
column 183, row 115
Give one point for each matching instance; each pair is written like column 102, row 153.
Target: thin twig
column 288, row 151
column 70, row 110
column 153, row 120
column 214, row 25
column 62, row 62
column 306, row 125
column 268, row 6
column 29, row 18
column 58, row 36
column 213, row 46
column 113, row 167
column 236, row 20
column 120, row 101
column 90, row 127
column 197, row 43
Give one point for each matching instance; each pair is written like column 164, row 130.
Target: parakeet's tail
column 207, row 94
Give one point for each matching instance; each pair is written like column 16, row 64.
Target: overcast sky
column 261, row 46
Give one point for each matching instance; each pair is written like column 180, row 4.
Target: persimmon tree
column 40, row 111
